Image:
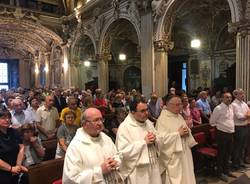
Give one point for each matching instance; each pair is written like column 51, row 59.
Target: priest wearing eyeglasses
column 91, row 156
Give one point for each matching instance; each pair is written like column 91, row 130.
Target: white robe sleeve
column 74, row 171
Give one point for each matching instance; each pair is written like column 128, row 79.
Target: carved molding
column 24, row 33
column 133, row 12
column 103, row 57
column 243, row 28
column 247, row 14
column 164, row 44
column 158, row 7
column 144, row 5
column 116, row 7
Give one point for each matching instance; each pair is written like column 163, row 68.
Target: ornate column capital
column 163, row 44
column 242, row 27
column 47, row 54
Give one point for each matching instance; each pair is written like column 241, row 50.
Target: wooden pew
column 50, row 149
column 46, row 172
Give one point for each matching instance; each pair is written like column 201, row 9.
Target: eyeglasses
column 99, row 120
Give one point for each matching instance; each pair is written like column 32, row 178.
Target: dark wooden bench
column 46, row 172
column 50, row 149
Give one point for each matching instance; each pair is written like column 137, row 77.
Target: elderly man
column 49, row 117
column 176, row 162
column 19, row 115
column 241, row 117
column 91, row 156
column 204, row 107
column 154, row 107
column 136, row 141
column 223, row 118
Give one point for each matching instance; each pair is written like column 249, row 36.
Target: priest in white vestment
column 176, row 162
column 91, row 156
column 136, row 141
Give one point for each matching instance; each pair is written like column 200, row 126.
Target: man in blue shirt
column 204, row 107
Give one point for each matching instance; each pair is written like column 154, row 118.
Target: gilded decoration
column 103, row 57
column 163, row 44
column 25, row 34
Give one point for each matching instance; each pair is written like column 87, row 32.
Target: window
column 3, row 73
column 4, row 76
column 184, row 76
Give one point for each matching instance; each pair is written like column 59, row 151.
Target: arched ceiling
column 26, row 36
column 203, row 19
column 124, row 39
column 84, row 49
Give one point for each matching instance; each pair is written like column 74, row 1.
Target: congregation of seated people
column 29, row 118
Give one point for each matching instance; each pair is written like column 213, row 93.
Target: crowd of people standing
column 119, row 137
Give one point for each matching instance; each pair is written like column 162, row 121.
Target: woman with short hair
column 65, row 133
column 11, row 150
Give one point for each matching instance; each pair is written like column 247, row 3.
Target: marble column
column 37, row 72
column 66, row 70
column 162, row 46
column 161, row 65
column 74, row 75
column 47, row 69
column 243, row 61
column 103, row 72
column 147, row 61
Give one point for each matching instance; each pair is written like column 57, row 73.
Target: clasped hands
column 109, row 164
column 183, row 131
column 150, row 138
column 18, row 169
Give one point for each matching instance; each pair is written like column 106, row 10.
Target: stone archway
column 169, row 12
column 84, row 65
column 118, row 37
column 165, row 12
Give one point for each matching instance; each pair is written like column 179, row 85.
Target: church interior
column 130, row 44
column 143, row 45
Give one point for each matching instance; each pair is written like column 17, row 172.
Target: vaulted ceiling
column 23, row 33
column 203, row 19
